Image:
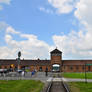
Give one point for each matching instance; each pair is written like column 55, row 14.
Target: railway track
column 57, row 86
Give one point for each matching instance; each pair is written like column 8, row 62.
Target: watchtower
column 56, row 58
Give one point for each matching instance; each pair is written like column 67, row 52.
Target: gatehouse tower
column 56, row 59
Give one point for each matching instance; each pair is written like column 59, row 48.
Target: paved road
column 39, row 76
column 76, row 80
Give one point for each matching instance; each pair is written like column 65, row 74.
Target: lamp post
column 85, row 74
column 0, row 65
column 18, row 59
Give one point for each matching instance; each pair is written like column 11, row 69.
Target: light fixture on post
column 18, row 59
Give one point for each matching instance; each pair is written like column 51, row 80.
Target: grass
column 80, row 87
column 20, row 86
column 77, row 75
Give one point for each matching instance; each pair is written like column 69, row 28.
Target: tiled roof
column 56, row 51
column 24, row 62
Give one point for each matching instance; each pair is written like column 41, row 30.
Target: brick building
column 54, row 64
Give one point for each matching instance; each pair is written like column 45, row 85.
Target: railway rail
column 57, row 86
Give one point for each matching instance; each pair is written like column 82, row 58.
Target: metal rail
column 49, row 86
column 66, row 87
column 62, row 84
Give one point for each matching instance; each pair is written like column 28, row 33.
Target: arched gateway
column 56, row 60
column 56, row 67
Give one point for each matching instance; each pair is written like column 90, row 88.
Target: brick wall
column 55, row 59
column 76, row 68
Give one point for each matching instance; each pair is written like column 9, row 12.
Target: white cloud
column 30, row 48
column 7, row 52
column 83, row 12
column 63, row 6
column 8, row 38
column 28, row 36
column 78, row 44
column 42, row 9
column 46, row 10
column 1, row 8
column 11, row 30
column 3, row 26
column 5, row 1
column 74, row 45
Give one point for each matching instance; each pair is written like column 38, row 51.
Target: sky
column 36, row 27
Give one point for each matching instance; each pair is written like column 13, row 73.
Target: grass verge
column 80, row 87
column 77, row 75
column 21, row 86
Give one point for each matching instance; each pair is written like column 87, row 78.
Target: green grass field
column 77, row 75
column 21, row 86
column 80, row 87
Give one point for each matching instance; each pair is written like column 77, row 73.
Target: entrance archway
column 55, row 67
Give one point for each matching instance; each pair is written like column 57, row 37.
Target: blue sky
column 27, row 18
column 49, row 21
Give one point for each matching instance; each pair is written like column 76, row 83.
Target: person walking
column 22, row 73
column 46, row 72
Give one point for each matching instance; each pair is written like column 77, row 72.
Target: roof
column 24, row 62
column 56, row 51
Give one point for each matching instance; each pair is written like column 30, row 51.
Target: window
column 56, row 54
column 64, row 66
column 40, row 69
column 77, row 67
column 83, row 67
column 88, row 68
column 5, row 67
column 71, row 67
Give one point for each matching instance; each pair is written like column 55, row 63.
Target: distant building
column 54, row 64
